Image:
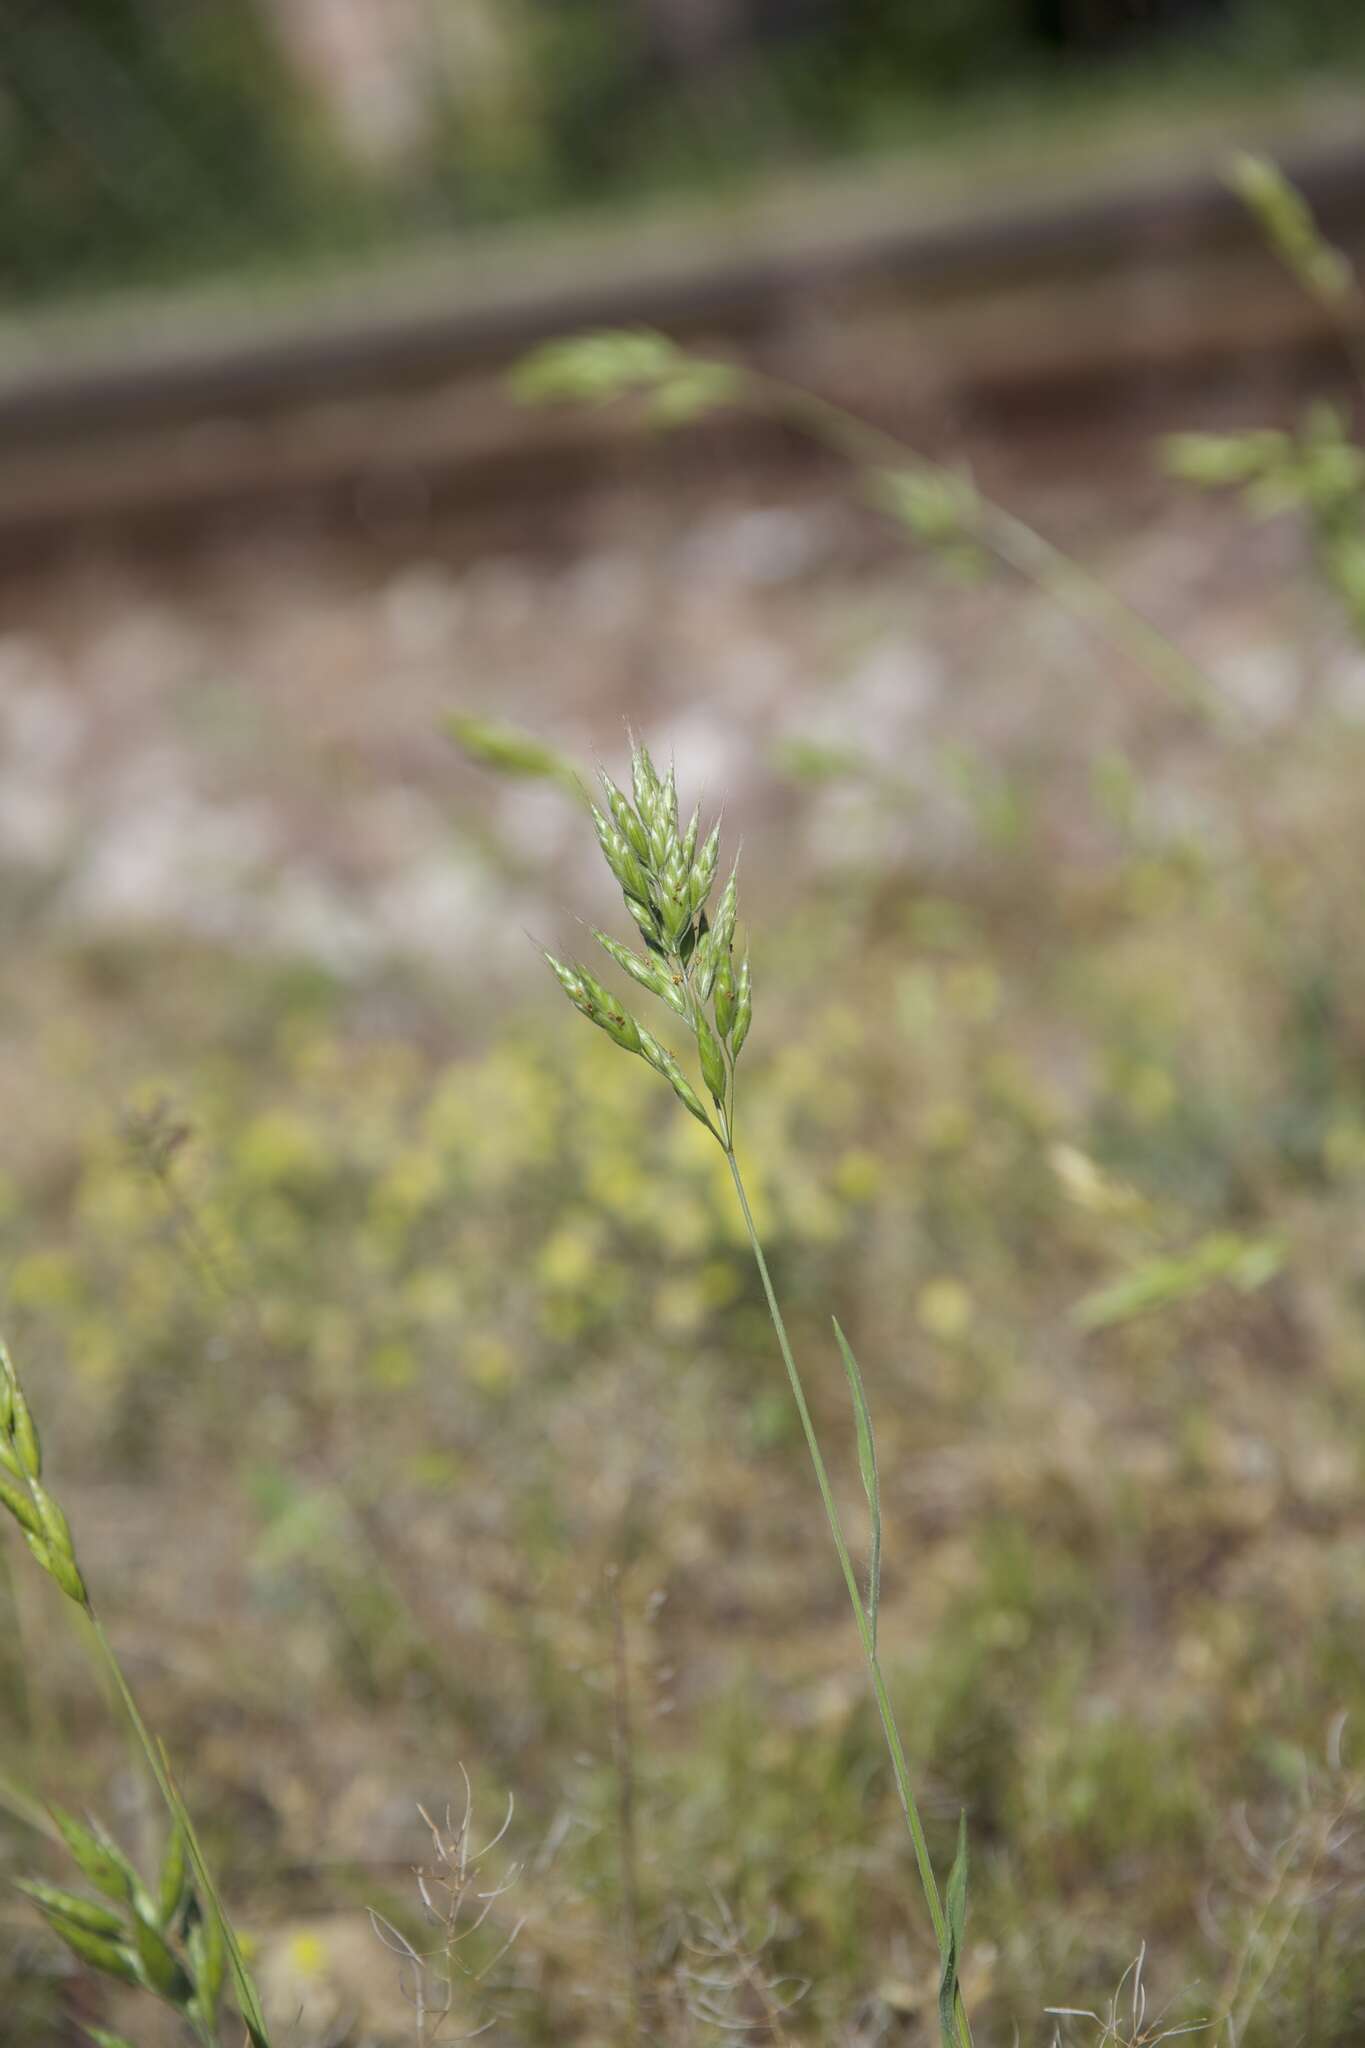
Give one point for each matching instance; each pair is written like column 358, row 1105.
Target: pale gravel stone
column 260, row 756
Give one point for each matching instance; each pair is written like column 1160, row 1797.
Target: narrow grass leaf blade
column 867, row 1465
column 955, row 1921
column 1164, row 1282
column 14, row 1800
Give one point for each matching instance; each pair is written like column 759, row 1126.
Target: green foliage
column 510, row 752
column 1317, row 471
column 608, row 102
column 147, row 139
column 45, row 1528
column 1287, row 222
column 1158, row 1283
column 667, row 876
column 594, row 369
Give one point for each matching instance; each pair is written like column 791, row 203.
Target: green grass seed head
column 666, row 875
column 597, row 1004
column 144, row 1954
column 20, row 1505
column 167, row 1944
column 650, row 928
column 21, row 1452
column 68, row 1907
column 54, row 1548
column 159, row 1964
column 1287, row 222
column 703, row 965
column 110, row 1958
column 571, row 981
column 98, row 1858
column 22, row 1494
column 648, row 973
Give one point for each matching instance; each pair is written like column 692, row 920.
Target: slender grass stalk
column 667, row 874
column 1324, row 272
column 965, row 516
column 627, row 1830
column 900, row 1769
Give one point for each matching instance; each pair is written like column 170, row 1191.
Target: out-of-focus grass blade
column 509, row 751
column 594, row 368
column 248, row 1998
column 13, row 1799
column 867, row 1465
column 955, row 1921
column 1286, row 220
column 811, row 761
column 617, row 362
column 1246, row 1263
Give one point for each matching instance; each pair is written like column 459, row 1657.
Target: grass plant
column 667, row 875
column 135, row 1940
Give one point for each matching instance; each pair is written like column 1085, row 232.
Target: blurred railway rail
column 377, row 397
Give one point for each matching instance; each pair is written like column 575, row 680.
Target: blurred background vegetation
column 404, row 1369
column 150, row 140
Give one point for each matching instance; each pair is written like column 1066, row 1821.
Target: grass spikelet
column 45, row 1528
column 1286, row 220
column 159, row 1945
